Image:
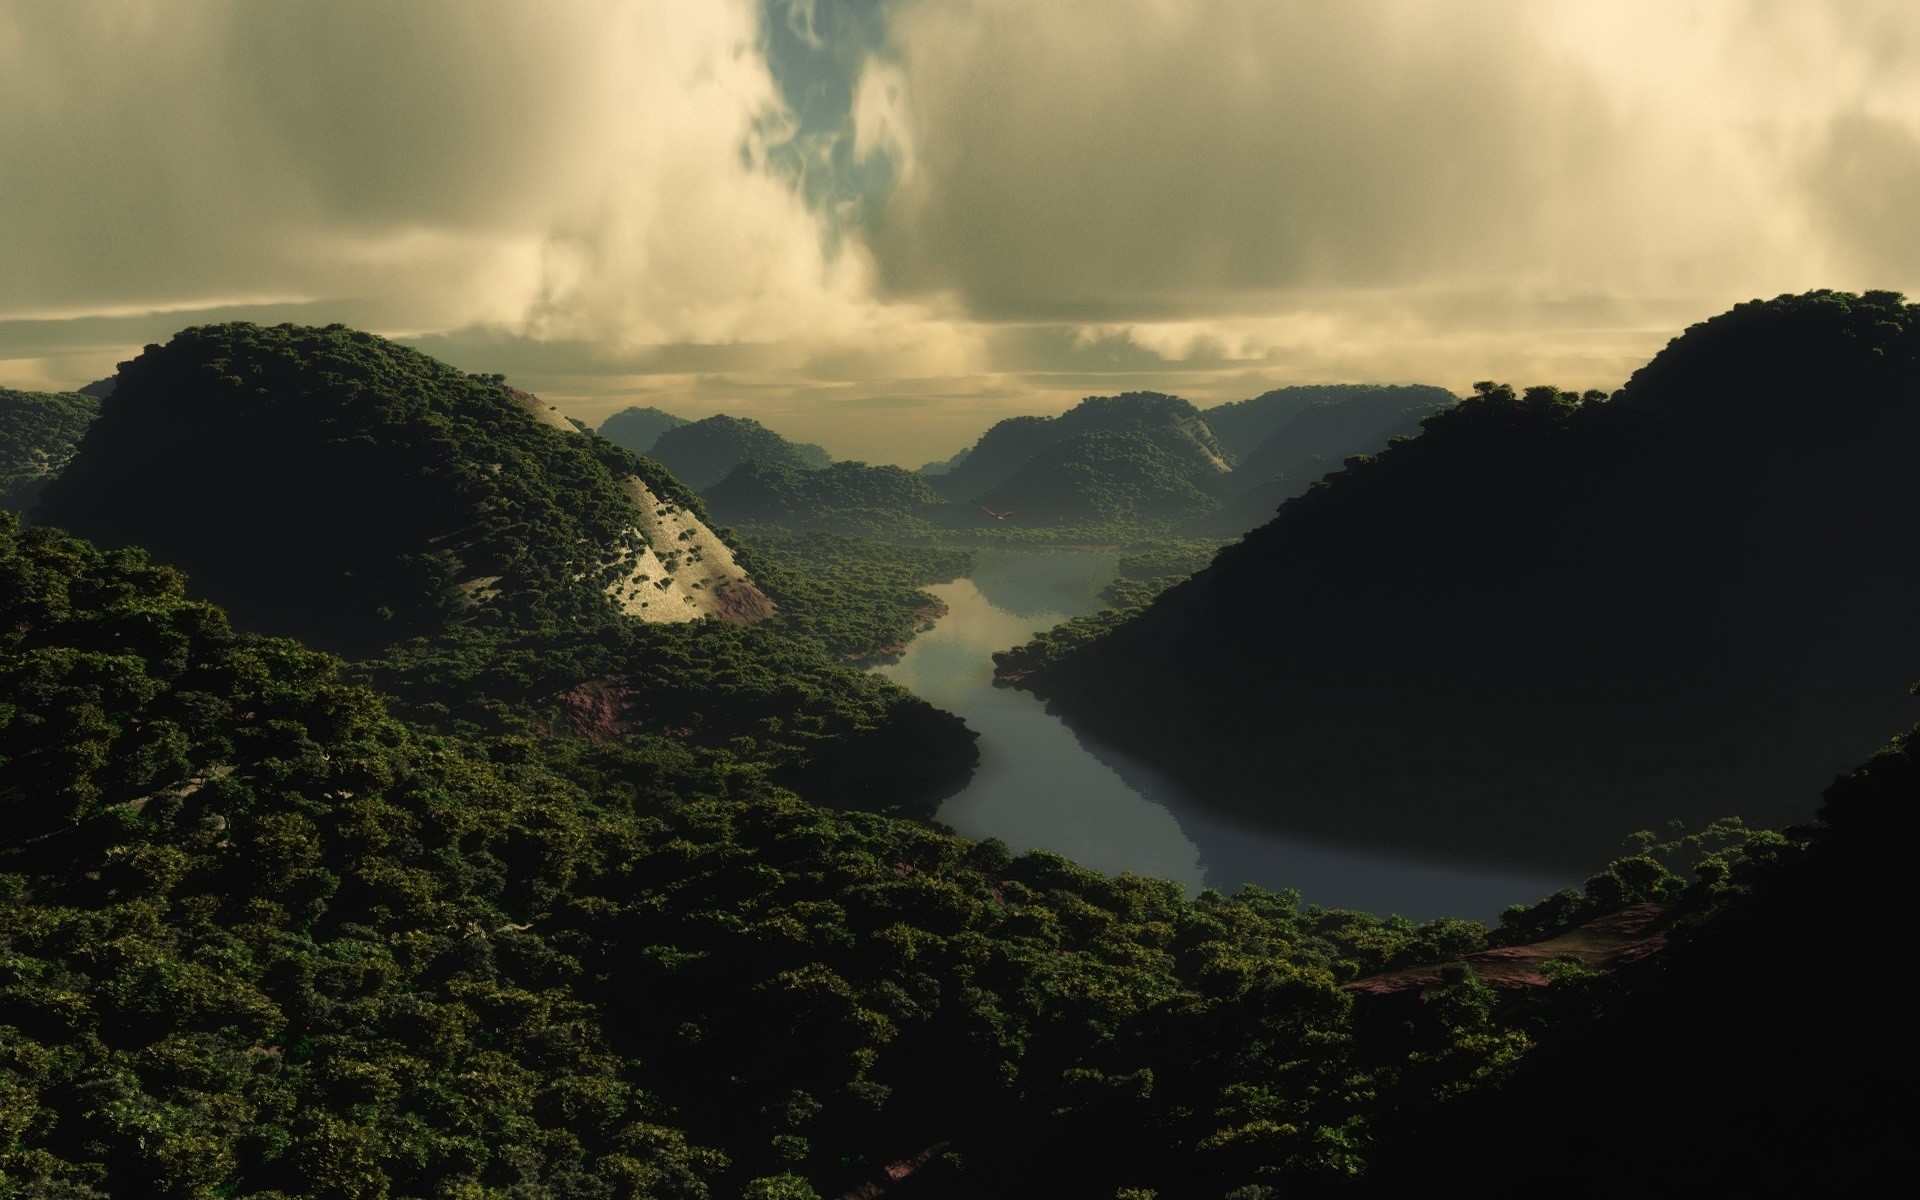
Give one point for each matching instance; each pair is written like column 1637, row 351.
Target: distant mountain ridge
column 637, row 429
column 1243, row 425
column 701, row 453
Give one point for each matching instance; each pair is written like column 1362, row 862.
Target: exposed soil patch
column 1604, row 943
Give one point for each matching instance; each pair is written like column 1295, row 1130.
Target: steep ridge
column 330, row 484
column 39, row 432
column 1550, row 618
column 684, row 571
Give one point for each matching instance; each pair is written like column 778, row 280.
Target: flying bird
column 998, row 516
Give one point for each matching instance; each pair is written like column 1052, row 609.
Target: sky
column 882, row 225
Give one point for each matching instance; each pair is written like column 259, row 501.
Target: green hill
column 1105, row 477
column 1004, row 450
column 701, row 453
column 638, row 429
column 38, row 434
column 1551, row 617
column 331, row 484
column 846, row 497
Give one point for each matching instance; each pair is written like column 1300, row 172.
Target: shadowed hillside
column 1550, row 617
column 330, row 483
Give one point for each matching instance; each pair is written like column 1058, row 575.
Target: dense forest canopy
column 1552, row 615
column 39, row 432
column 845, row 497
column 259, row 938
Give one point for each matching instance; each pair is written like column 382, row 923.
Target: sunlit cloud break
column 861, row 198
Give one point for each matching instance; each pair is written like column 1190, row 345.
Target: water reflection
column 1039, row 786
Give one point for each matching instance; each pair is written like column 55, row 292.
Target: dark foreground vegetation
column 1550, row 617
column 259, row 938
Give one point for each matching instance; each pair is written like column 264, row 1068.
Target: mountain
column 331, row 484
column 701, row 453
column 846, row 497
column 1551, row 617
column 1005, row 450
column 1242, row 425
column 1316, row 439
column 1324, row 434
column 638, row 429
column 1106, row 476
column 38, row 434
column 947, row 464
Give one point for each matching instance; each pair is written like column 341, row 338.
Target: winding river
column 1041, row 786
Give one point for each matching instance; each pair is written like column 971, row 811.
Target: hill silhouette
column 1170, row 422
column 1315, row 439
column 638, row 429
column 334, row 485
column 1551, row 617
column 701, row 453
column 1242, row 425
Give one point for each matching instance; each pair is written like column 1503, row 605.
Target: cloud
column 1103, row 160
column 583, row 169
column 882, row 224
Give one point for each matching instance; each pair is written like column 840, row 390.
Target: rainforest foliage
column 844, row 498
column 1551, row 616
column 394, row 483
column 259, row 938
column 857, row 599
column 38, row 434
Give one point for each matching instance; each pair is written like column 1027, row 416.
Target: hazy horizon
column 881, row 226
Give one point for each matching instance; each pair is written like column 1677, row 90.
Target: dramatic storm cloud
column 882, row 225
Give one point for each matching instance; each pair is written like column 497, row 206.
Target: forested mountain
column 1551, row 617
column 329, row 483
column 701, row 453
column 1242, row 425
column 638, row 429
column 258, row 938
column 1314, row 440
column 846, row 497
column 1107, row 476
column 946, row 464
column 38, row 434
column 1004, row 450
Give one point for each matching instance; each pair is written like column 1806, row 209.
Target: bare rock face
column 685, row 572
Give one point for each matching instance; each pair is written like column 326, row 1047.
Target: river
column 1041, row 786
